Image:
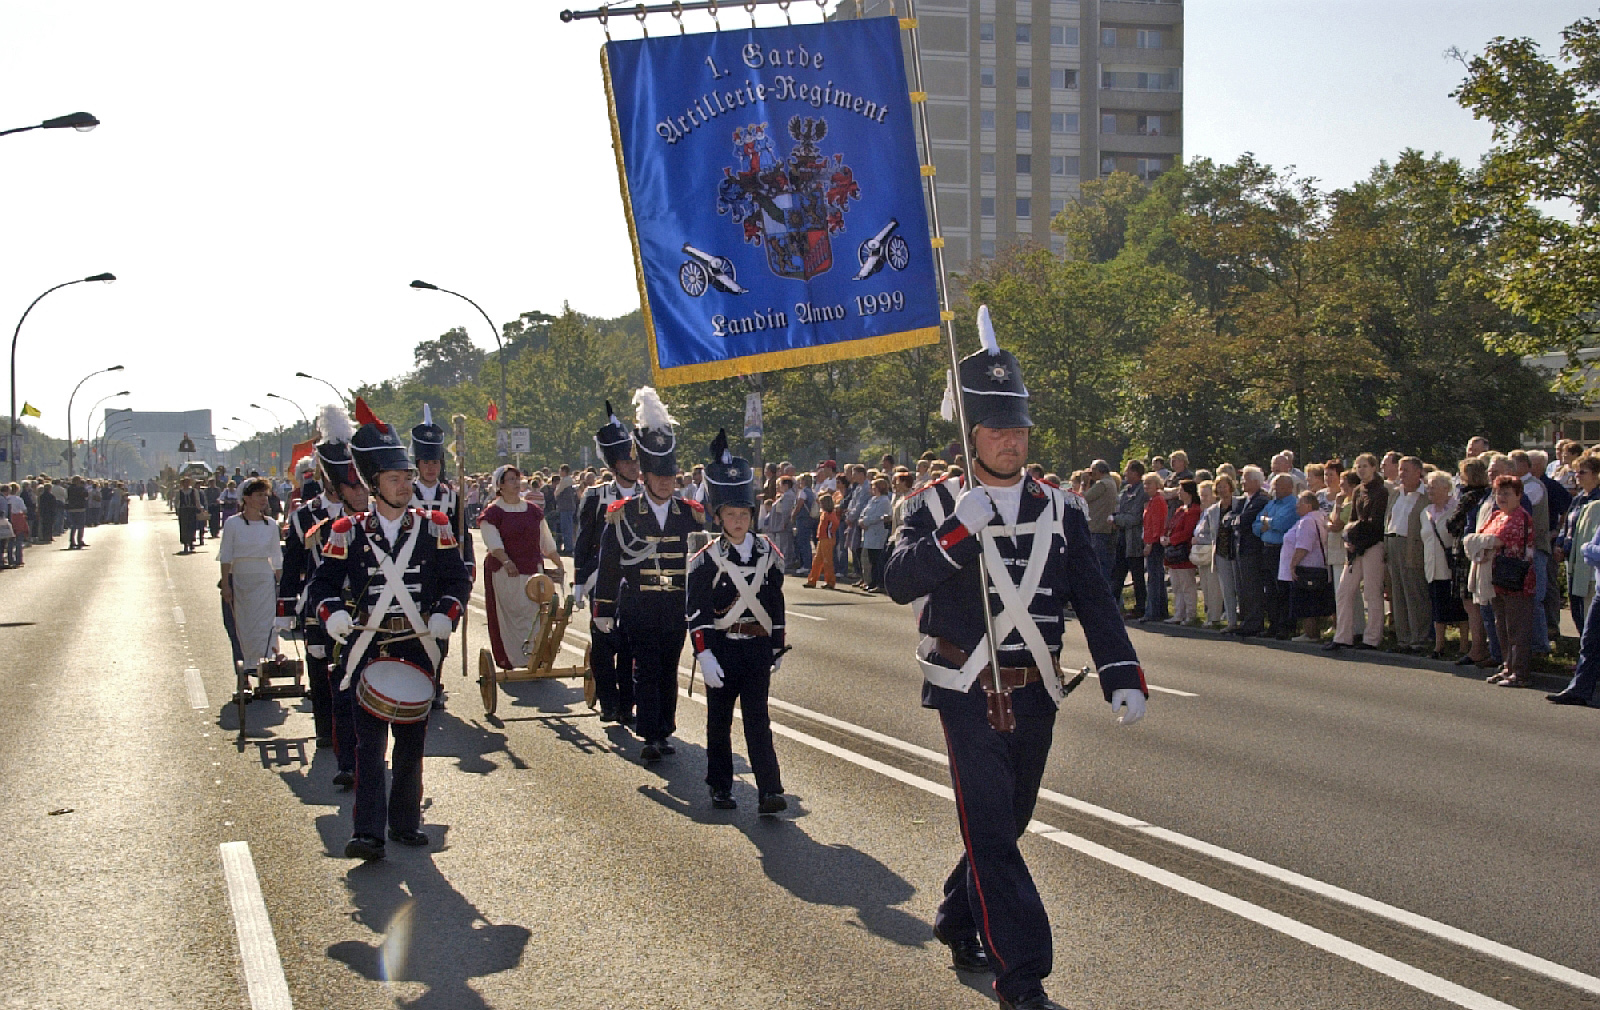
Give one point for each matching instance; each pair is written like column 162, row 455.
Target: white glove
column 338, row 625
column 1129, row 701
column 439, row 626
column 577, row 596
column 603, row 624
column 283, row 623
column 975, row 508
column 710, row 669
column 777, row 663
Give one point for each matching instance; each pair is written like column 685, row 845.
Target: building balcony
column 1144, row 12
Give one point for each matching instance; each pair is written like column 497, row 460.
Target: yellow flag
column 29, row 410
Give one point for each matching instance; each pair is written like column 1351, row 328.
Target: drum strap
column 746, row 586
column 394, row 591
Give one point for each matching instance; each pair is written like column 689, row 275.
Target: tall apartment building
column 1026, row 98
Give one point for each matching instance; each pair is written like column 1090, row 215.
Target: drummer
column 517, row 540
column 412, row 584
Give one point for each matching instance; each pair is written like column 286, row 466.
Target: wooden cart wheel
column 241, row 685
column 588, row 678
column 488, row 685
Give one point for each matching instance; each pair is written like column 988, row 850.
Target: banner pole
column 459, row 423
column 919, row 98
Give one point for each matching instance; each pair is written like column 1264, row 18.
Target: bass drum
column 395, row 691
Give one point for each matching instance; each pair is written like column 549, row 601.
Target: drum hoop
column 381, row 706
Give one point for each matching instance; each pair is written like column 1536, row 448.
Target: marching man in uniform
column 736, row 621
column 431, row 491
column 640, row 588
column 998, row 729
column 609, row 657
column 343, row 493
column 399, row 568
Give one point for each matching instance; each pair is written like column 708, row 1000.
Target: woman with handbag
column 1177, row 550
column 1472, row 492
column 1222, row 559
column 1203, row 551
column 1513, row 579
column 1362, row 580
column 1443, row 563
column 1305, row 563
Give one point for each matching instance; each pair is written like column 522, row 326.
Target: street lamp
column 80, row 121
column 72, row 449
column 11, row 446
column 343, row 398
column 92, row 427
column 257, row 406
column 113, row 427
column 425, row 286
column 296, row 406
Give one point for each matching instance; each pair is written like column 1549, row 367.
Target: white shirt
column 1400, row 513
column 1007, row 501
column 254, row 544
column 390, row 527
column 744, row 549
column 1533, row 488
column 492, row 541
column 427, row 493
column 660, row 510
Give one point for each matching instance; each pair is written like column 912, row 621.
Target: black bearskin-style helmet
column 376, row 448
column 613, row 441
column 729, row 479
column 427, row 438
column 992, row 392
column 653, row 434
column 333, row 453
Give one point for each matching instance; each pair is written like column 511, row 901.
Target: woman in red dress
column 518, row 541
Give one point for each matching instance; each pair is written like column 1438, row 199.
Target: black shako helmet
column 427, row 438
column 333, row 452
column 992, row 392
column 613, row 441
column 729, row 479
column 375, row 448
column 653, row 434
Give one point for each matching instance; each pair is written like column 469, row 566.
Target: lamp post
column 11, row 446
column 257, row 406
column 112, row 427
column 80, row 121
column 91, row 427
column 425, row 286
column 296, row 406
column 72, row 448
column 343, row 398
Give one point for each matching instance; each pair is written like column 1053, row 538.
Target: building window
column 986, row 206
column 1024, row 77
column 1058, row 244
column 1108, row 38
column 1131, row 80
column 1024, row 121
column 1150, row 39
column 1024, row 32
column 1151, row 126
column 986, row 119
column 985, row 31
column 1108, row 122
column 1064, row 80
column 1063, row 35
column 987, row 247
column 1024, row 164
column 1024, row 206
column 986, row 163
column 1149, row 168
column 1108, row 164
column 986, row 77
column 1063, row 122
column 1057, row 205
column 1063, row 164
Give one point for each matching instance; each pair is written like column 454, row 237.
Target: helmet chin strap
column 998, row 476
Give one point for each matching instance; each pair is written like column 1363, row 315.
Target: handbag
column 1176, row 554
column 1510, row 573
column 6, row 532
column 1202, row 554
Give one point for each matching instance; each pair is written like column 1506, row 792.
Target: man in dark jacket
column 1249, row 554
column 1128, row 556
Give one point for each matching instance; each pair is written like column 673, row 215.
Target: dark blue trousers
column 1587, row 672
column 746, row 679
column 332, row 710
column 397, row 804
column 655, row 679
column 996, row 778
column 609, row 655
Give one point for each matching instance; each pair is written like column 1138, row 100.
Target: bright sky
column 268, row 179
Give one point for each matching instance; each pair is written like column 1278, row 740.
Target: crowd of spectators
column 38, row 509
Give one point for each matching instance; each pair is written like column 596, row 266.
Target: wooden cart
column 554, row 615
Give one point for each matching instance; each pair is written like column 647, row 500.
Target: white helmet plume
column 335, row 424
column 986, row 331
column 649, row 411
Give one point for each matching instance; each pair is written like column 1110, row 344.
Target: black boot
column 966, row 953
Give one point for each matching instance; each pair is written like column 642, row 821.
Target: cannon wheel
column 241, row 694
column 899, row 252
column 693, row 278
column 488, row 681
column 588, row 678
column 864, row 251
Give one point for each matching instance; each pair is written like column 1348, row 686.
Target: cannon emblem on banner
column 884, row 247
column 704, row 270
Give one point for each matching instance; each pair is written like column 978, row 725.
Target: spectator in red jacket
column 1185, row 579
column 1155, row 527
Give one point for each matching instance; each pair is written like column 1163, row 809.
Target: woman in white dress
column 517, row 541
column 251, row 558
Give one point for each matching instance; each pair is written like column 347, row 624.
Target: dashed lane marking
column 263, row 970
column 196, row 688
column 177, row 615
column 809, row 617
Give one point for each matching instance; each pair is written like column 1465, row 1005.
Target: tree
column 1096, row 223
column 448, row 361
column 1546, row 121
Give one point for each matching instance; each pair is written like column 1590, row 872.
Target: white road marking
column 1511, row 955
column 263, row 970
column 1160, row 690
column 809, row 617
column 177, row 615
column 196, row 688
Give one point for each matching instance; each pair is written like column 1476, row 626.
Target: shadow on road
column 468, row 741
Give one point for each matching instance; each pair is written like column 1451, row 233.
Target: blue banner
column 774, row 196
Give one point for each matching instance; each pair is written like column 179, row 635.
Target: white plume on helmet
column 649, row 411
column 986, row 331
column 335, row 424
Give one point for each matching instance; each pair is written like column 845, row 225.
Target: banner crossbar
column 640, row 10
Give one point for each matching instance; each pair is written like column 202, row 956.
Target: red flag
column 494, row 412
column 300, row 451
column 364, row 414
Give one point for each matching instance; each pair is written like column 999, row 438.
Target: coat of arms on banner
column 791, row 205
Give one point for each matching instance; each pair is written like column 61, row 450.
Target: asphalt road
column 1285, row 829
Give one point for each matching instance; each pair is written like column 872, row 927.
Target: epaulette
column 338, row 545
column 699, row 556
column 694, row 504
column 614, row 510
column 441, row 529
